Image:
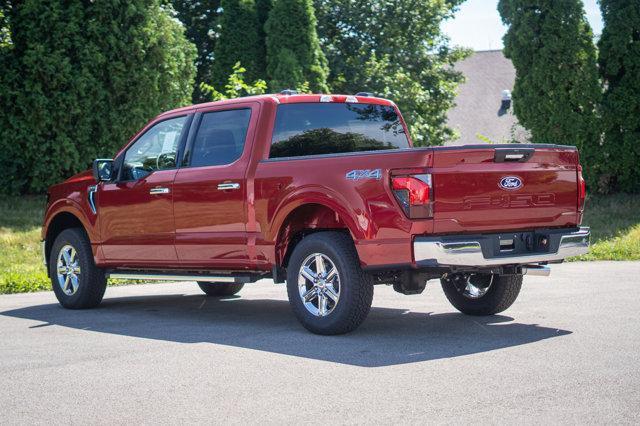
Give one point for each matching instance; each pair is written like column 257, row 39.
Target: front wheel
column 481, row 294
column 328, row 291
column 77, row 282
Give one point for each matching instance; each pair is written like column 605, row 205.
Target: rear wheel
column 481, row 294
column 77, row 282
column 328, row 291
column 219, row 289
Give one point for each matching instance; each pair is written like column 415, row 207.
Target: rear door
column 210, row 191
column 501, row 188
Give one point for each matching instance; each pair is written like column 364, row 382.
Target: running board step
column 179, row 277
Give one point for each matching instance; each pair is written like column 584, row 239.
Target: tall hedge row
column 619, row 49
column 240, row 41
column 556, row 90
column 294, row 56
column 80, row 78
column 201, row 19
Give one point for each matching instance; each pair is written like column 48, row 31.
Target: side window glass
column 155, row 150
column 220, row 139
column 332, row 128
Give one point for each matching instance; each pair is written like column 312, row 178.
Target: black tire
column 356, row 287
column 502, row 293
column 91, row 280
column 219, row 289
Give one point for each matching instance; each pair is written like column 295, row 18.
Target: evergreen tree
column 200, row 17
column 394, row 49
column 620, row 70
column 293, row 50
column 556, row 91
column 80, row 79
column 262, row 10
column 239, row 42
column 5, row 33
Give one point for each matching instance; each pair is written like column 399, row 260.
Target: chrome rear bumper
column 446, row 251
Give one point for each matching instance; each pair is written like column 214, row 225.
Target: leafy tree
column 81, row 78
column 556, row 91
column 200, row 17
column 239, row 41
column 293, row 50
column 5, row 33
column 395, row 49
column 619, row 59
column 235, row 87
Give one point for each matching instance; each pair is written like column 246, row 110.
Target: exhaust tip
column 537, row 270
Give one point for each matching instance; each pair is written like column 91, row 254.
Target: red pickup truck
column 324, row 192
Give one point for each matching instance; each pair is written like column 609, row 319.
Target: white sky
column 477, row 24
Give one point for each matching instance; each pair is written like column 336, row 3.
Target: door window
column 155, row 150
column 220, row 139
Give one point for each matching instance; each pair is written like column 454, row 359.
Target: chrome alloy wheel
column 319, row 284
column 68, row 270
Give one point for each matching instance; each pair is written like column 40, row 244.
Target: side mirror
column 102, row 169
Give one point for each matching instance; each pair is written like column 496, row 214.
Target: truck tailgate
column 506, row 187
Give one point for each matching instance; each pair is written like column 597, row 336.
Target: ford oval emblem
column 510, row 183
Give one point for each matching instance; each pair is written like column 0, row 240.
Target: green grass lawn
column 614, row 221
column 21, row 267
column 615, row 227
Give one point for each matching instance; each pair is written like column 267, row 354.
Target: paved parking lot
column 568, row 351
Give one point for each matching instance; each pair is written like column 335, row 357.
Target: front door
column 210, row 191
column 136, row 211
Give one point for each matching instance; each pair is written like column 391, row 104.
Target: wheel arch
column 304, row 219
column 59, row 222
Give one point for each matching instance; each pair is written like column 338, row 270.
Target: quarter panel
column 365, row 205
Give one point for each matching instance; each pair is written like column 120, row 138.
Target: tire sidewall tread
column 356, row 288
column 503, row 293
column 93, row 282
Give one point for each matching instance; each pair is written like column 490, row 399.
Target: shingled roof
column 478, row 114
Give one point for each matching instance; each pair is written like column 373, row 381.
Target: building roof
column 478, row 115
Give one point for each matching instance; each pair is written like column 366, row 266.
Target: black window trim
column 119, row 161
column 186, row 161
column 340, row 154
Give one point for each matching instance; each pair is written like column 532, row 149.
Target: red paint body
column 198, row 227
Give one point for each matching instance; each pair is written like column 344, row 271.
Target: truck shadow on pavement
column 387, row 337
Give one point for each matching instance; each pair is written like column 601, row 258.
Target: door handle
column 227, row 186
column 158, row 190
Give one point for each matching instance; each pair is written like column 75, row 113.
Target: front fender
column 68, row 205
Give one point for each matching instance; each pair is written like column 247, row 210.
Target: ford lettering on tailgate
column 510, row 183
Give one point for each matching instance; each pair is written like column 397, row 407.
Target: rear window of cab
column 331, row 128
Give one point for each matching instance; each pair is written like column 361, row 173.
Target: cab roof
column 280, row 98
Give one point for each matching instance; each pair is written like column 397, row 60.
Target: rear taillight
column 414, row 194
column 582, row 190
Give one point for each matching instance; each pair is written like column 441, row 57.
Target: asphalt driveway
column 568, row 351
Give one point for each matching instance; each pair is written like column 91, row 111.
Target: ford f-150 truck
column 323, row 192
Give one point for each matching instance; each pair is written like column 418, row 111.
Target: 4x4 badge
column 364, row 174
